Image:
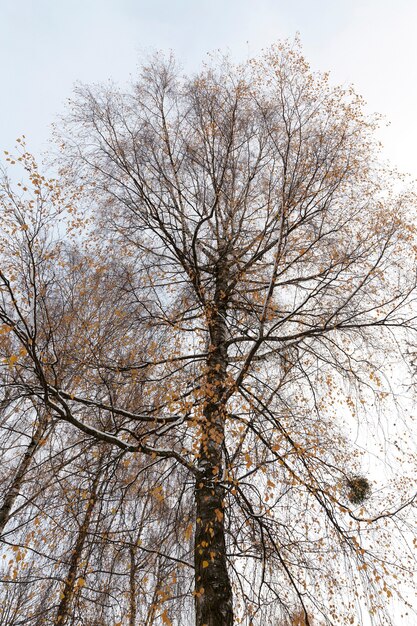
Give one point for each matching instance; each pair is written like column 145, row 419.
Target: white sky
column 47, row 45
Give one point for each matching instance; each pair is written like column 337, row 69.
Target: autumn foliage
column 200, row 314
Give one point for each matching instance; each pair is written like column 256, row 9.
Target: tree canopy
column 197, row 312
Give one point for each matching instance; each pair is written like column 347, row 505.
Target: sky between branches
column 45, row 46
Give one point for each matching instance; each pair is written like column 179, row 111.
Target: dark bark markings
column 213, row 591
column 70, row 588
column 14, row 488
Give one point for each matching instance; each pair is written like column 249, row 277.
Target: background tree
column 226, row 307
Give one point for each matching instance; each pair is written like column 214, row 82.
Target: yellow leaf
column 205, row 563
column 13, row 359
column 165, row 618
column 188, row 531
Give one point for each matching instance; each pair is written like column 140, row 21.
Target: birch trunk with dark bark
column 213, row 591
column 132, row 588
column 14, row 488
column 69, row 590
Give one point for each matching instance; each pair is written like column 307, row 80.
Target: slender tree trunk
column 132, row 588
column 13, row 490
column 69, row 590
column 150, row 617
column 213, row 591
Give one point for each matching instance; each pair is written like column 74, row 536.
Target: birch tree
column 237, row 276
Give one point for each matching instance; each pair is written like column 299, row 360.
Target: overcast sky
column 48, row 45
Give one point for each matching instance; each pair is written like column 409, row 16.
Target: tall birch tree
column 225, row 308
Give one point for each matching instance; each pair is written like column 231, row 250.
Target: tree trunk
column 69, row 590
column 132, row 588
column 13, row 490
column 213, row 591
